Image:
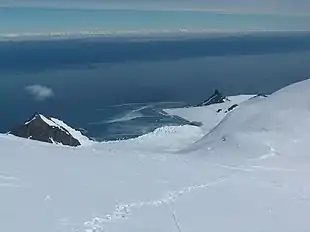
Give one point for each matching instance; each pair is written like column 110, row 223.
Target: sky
column 117, row 16
column 262, row 6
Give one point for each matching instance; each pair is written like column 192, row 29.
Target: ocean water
column 115, row 88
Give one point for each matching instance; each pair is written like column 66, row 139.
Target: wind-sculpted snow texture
column 250, row 172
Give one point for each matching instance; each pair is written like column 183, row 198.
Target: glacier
column 243, row 171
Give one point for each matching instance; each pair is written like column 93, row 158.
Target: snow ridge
column 75, row 133
column 54, row 122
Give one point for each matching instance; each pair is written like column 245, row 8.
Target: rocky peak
column 215, row 98
column 50, row 130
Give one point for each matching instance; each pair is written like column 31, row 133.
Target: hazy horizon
column 287, row 7
column 38, row 19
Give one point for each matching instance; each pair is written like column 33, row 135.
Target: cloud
column 40, row 92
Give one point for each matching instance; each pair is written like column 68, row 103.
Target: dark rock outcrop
column 231, row 108
column 194, row 123
column 44, row 129
column 216, row 98
column 260, row 96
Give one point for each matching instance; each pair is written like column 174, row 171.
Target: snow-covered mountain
column 284, row 115
column 50, row 130
column 212, row 113
column 247, row 172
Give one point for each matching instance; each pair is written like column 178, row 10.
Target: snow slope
column 249, row 173
column 285, row 115
column 209, row 115
column 75, row 133
column 164, row 139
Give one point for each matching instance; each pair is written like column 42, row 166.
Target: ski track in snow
column 234, row 168
column 7, row 177
column 254, row 168
column 123, row 211
column 9, row 185
column 271, row 154
column 274, row 169
column 7, row 181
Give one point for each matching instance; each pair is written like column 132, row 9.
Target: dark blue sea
column 115, row 88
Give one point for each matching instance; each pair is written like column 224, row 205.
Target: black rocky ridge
column 44, row 129
column 216, row 98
